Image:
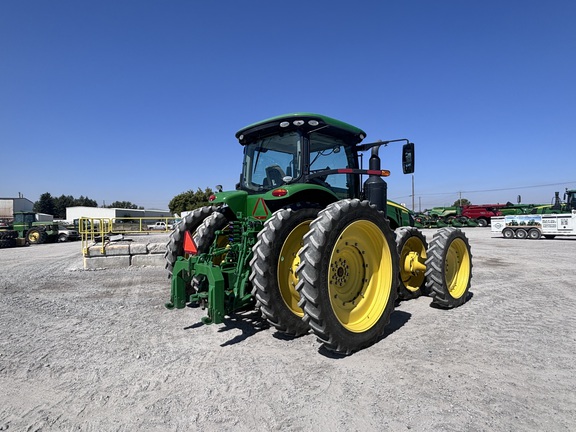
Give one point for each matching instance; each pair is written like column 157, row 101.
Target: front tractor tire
column 190, row 223
column 274, row 262
column 449, row 268
column 348, row 275
column 411, row 245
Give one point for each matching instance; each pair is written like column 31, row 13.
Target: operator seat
column 274, row 176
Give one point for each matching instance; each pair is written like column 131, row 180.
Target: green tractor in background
column 26, row 229
column 306, row 243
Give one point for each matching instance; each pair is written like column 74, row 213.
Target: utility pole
column 413, row 192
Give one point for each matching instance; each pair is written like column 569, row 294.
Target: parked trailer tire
column 348, row 275
column 175, row 245
column 508, row 233
column 274, row 262
column 534, row 234
column 521, row 233
column 411, row 245
column 449, row 268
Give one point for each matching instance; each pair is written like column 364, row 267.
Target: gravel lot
column 97, row 351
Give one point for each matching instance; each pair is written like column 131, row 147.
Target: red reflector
column 279, row 192
column 189, row 245
column 212, row 198
column 345, row 171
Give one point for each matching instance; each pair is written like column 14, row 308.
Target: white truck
column 534, row 226
column 163, row 226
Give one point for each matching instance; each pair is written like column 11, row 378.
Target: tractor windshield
column 269, row 162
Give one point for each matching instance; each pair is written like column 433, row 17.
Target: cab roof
column 300, row 120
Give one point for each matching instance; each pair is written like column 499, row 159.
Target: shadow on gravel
column 249, row 322
column 397, row 320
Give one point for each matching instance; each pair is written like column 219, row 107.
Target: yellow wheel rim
column 457, row 270
column 412, row 264
column 287, row 264
column 34, row 236
column 360, row 276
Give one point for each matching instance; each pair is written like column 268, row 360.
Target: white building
column 74, row 213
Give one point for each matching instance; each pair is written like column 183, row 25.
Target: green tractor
column 29, row 230
column 306, row 243
column 558, row 206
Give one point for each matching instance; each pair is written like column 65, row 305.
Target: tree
column 60, row 205
column 124, row 204
column 85, row 202
column 45, row 204
column 461, row 202
column 189, row 200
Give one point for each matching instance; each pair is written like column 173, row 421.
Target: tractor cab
column 24, row 219
column 315, row 150
column 570, row 199
column 300, row 148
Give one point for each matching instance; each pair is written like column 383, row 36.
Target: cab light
column 284, row 124
column 383, row 173
column 279, row 192
column 298, row 122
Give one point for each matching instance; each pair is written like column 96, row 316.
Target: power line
column 494, row 190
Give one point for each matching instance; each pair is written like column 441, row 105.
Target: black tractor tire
column 348, row 275
column 62, row 238
column 274, row 262
column 411, row 245
column 8, row 234
column 36, row 236
column 449, row 268
column 205, row 235
column 175, row 245
column 7, row 242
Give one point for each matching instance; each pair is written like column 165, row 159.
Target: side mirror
column 408, row 158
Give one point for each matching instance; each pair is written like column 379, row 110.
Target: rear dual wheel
column 274, row 262
column 348, row 275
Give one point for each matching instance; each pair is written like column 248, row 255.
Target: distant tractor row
column 28, row 228
column 480, row 215
column 559, row 219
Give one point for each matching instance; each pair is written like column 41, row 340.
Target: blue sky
column 139, row 100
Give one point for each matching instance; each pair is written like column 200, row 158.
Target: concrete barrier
column 124, row 255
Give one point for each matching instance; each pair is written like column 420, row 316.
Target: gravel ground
column 97, row 351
